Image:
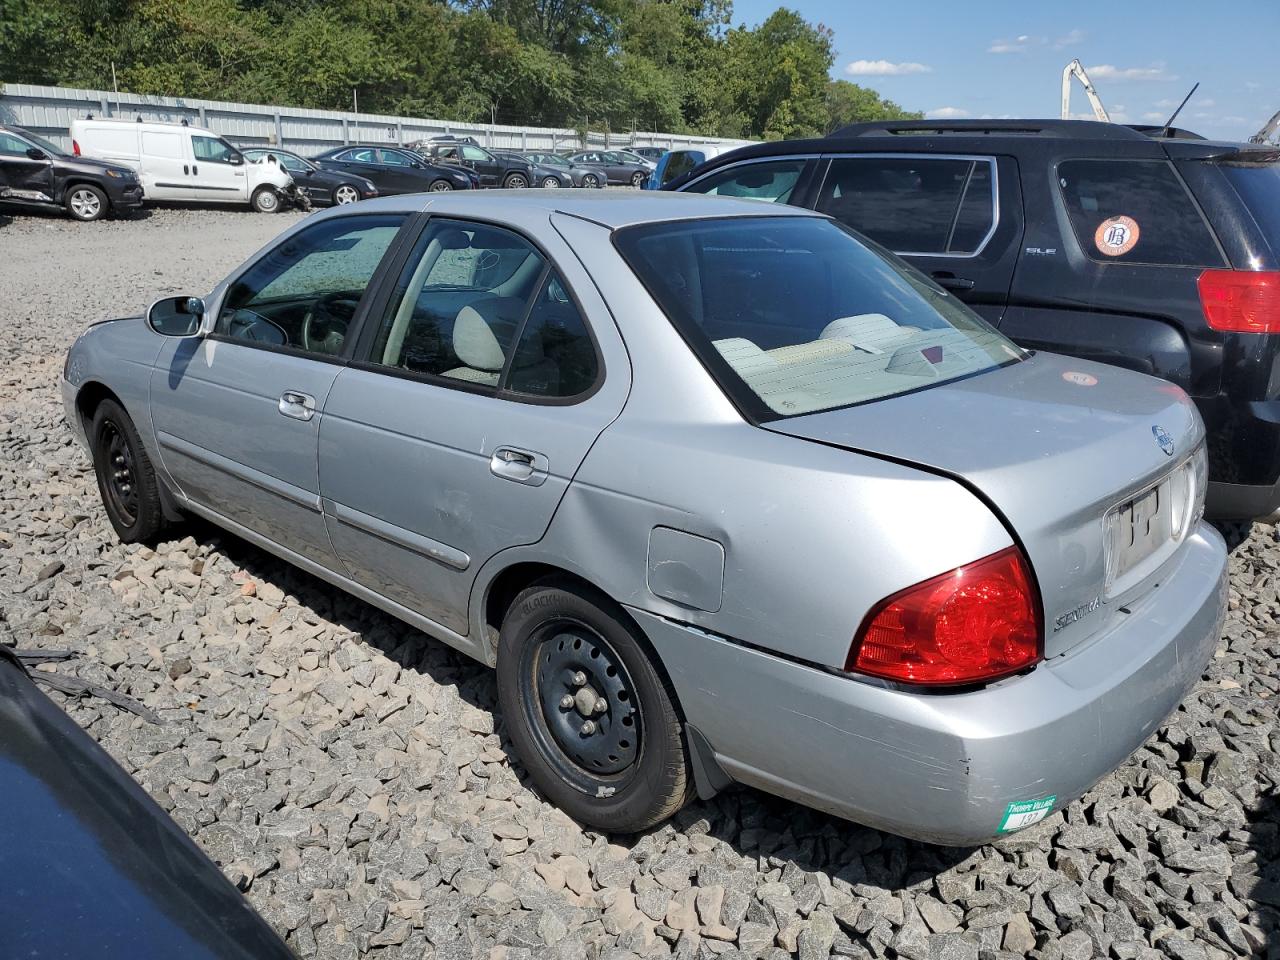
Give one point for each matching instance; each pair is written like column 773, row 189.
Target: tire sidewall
column 632, row 806
column 590, row 180
column 257, row 199
column 339, row 189
column 637, row 180
column 517, row 181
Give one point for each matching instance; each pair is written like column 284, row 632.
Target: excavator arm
column 1075, row 69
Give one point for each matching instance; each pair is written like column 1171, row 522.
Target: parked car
column 394, row 171
column 322, row 187
column 34, row 170
column 616, row 168
column 96, row 868
column 540, row 175
column 175, row 161
column 1091, row 239
column 635, row 157
column 652, row 154
column 511, row 171
column 676, row 163
column 704, row 479
column 581, row 176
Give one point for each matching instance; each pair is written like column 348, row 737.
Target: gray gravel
column 351, row 775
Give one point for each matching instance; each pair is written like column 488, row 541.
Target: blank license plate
column 1137, row 529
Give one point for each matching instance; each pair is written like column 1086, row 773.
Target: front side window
column 479, row 305
column 922, row 205
column 213, row 149
column 1135, row 211
column 447, row 153
column 793, row 315
column 11, row 144
column 773, row 181
column 303, row 294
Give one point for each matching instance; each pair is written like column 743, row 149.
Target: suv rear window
column 793, row 315
column 1135, row 211
column 920, row 205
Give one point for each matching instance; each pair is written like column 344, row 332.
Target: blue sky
column 995, row 59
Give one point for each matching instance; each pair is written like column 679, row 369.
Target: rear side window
column 1135, row 211
column 1259, row 187
column 679, row 163
column 167, row 145
column 757, row 181
column 921, row 205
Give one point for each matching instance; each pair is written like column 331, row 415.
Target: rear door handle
column 298, row 405
column 522, row 466
column 951, row 282
column 186, row 170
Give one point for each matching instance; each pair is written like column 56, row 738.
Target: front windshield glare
column 793, row 315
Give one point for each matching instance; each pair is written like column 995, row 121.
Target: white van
column 178, row 162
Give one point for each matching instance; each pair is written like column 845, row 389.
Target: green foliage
column 674, row 65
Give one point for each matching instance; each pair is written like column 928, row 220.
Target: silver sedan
column 723, row 492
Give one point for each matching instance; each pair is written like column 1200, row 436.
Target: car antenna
column 1168, row 124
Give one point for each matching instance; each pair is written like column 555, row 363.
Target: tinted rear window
column 793, row 315
column 1135, row 211
column 1259, row 188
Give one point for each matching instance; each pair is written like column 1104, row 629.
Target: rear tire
column 620, row 765
column 516, row 181
column 265, row 200
column 126, row 479
column 86, row 203
column 590, row 181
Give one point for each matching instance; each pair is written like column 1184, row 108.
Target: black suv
column 1156, row 253
column 494, row 170
column 35, row 171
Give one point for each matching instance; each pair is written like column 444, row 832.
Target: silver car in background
column 723, row 491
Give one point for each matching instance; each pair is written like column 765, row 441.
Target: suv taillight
column 75, row 147
column 976, row 623
column 1241, row 301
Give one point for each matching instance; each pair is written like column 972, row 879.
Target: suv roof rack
column 1069, row 129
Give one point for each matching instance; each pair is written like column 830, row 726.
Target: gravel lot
column 351, row 775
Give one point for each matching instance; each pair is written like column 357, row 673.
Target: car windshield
column 793, row 315
column 47, row 146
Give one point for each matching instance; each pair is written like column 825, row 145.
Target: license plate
column 1136, row 530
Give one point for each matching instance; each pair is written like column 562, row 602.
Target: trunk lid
column 1055, row 445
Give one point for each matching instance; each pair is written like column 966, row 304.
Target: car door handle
column 298, row 405
column 512, row 464
column 195, row 171
column 951, row 282
column 186, row 170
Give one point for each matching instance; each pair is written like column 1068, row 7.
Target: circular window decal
column 1116, row 236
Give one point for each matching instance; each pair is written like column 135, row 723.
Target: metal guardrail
column 49, row 111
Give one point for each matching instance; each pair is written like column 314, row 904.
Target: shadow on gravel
column 1235, row 532
column 39, row 211
column 757, row 825
column 1255, row 876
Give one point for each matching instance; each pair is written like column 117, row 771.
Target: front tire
column 638, row 179
column 551, row 183
column 126, row 479
column 589, row 714
column 516, row 181
column 440, row 186
column 344, row 194
column 265, row 200
column 86, row 203
column 590, row 181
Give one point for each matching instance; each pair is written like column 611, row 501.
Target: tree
column 849, row 103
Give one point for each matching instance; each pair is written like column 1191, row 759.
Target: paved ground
column 352, row 775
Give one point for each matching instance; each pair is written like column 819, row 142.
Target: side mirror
column 176, row 316
column 415, row 164
column 236, row 159
column 35, row 153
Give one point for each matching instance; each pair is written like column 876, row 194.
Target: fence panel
column 49, row 111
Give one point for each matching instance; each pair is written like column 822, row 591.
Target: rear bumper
column 1244, row 458
column 945, row 767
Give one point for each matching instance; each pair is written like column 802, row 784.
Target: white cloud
column 1070, row 38
column 885, row 68
column 1107, row 71
column 1231, row 118
column 1018, row 44
column 1166, row 102
column 1252, row 85
column 1205, row 103
column 1155, row 117
column 947, row 113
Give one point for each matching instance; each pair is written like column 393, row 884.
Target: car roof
column 613, row 209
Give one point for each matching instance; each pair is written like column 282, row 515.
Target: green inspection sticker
column 1023, row 813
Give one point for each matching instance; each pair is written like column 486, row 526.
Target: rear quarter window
column 1258, row 185
column 1135, row 211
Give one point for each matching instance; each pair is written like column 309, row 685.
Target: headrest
column 451, row 238
column 481, row 330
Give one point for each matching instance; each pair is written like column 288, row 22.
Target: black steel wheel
column 589, row 713
column 126, row 479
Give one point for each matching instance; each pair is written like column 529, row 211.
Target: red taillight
column 1241, row 301
column 75, row 148
column 975, row 623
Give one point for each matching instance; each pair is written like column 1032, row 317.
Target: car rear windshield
column 1259, row 187
column 793, row 315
